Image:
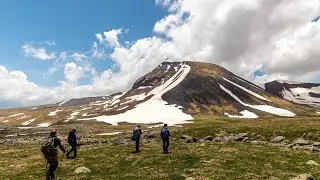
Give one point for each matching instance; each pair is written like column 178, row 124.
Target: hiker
column 51, row 154
column 136, row 137
column 165, row 138
column 72, row 140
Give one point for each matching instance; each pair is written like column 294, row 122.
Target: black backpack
column 47, row 147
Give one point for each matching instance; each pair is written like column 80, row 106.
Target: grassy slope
column 201, row 161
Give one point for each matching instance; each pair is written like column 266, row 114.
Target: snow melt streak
column 266, row 108
column 247, row 90
column 245, row 114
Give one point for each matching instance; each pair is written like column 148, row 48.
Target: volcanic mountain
column 302, row 93
column 174, row 92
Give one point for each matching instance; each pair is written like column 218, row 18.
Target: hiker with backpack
column 165, row 138
column 50, row 152
column 72, row 140
column 136, row 134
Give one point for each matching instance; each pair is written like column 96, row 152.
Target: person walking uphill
column 136, row 137
column 165, row 138
column 72, row 140
column 50, row 151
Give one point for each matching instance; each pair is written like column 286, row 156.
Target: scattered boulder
column 289, row 145
column 301, row 142
column 277, row 139
column 241, row 136
column 208, row 138
column 259, row 137
column 304, row 177
column 189, row 139
column 217, row 139
column 307, row 148
column 315, row 149
column 316, row 143
column 230, row 138
column 312, row 163
column 82, row 169
column 246, row 139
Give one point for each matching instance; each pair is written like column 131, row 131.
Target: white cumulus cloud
column 73, row 72
column 37, row 52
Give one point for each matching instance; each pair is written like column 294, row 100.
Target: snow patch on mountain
column 53, row 113
column 18, row 114
column 72, row 116
column 155, row 109
column 28, row 122
column 247, row 90
column 47, row 124
column 301, row 95
column 109, row 133
column 265, row 108
column 139, row 97
column 145, row 87
column 245, row 114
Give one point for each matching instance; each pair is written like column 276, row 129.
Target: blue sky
column 71, row 25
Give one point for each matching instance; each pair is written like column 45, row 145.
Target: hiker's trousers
column 165, row 144
column 53, row 165
column 74, row 149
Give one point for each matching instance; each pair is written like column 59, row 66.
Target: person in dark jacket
column 165, row 134
column 72, row 140
column 137, row 132
column 53, row 159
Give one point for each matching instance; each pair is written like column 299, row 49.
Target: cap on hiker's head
column 53, row 133
column 138, row 125
column 165, row 125
column 74, row 129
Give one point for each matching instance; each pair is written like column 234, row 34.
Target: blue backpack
column 164, row 133
column 135, row 135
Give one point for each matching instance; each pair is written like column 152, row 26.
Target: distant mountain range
column 302, row 93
